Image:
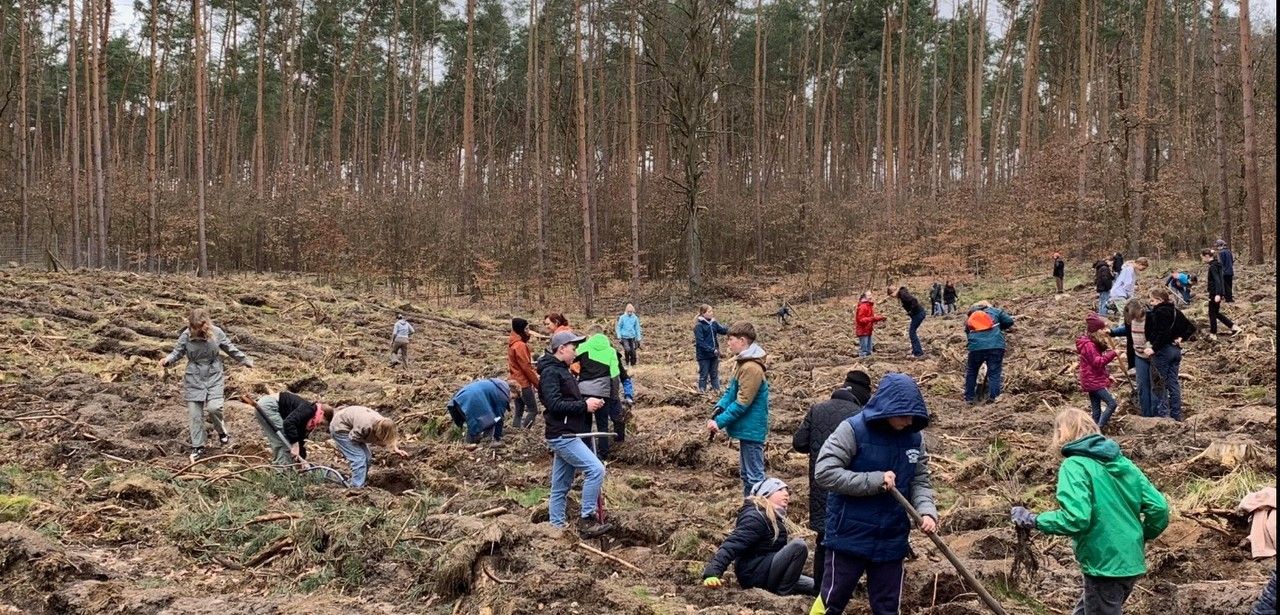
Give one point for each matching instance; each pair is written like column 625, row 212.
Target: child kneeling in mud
column 759, row 547
column 876, row 450
column 1109, row 509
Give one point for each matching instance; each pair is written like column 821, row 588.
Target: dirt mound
column 110, row 515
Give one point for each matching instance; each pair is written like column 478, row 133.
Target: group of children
column 862, row 444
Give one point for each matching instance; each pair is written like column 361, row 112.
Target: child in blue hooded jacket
column 878, row 449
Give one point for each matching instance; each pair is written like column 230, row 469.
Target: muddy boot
column 588, row 527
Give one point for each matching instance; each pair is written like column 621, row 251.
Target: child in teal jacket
column 743, row 410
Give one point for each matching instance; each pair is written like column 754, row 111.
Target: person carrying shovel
column 286, row 420
column 868, row 456
column 1107, row 506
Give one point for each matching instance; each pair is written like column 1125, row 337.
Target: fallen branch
column 40, row 417
column 268, row 517
column 613, row 558
column 213, row 458
column 280, row 547
column 1209, row 526
column 492, row 512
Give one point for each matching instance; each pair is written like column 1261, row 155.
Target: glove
column 1023, row 518
column 711, row 582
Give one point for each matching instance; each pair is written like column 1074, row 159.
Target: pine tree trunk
column 21, row 130
column 633, row 152
column 584, row 182
column 1138, row 150
column 1252, row 189
column 1082, row 110
column 757, row 212
column 197, row 20
column 152, row 179
column 1219, row 131
column 73, row 131
column 1030, row 102
column 469, row 193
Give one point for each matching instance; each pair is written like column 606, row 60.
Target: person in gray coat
column 202, row 344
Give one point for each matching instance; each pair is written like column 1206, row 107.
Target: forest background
column 502, row 148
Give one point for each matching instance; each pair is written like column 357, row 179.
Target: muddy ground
column 102, row 512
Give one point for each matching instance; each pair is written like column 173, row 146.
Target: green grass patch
column 1002, row 589
column 1225, row 492
column 15, row 507
column 531, row 497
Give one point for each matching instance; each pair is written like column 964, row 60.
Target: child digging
column 743, row 410
column 353, row 429
column 1096, row 352
column 1107, row 506
column 878, row 449
column 759, row 547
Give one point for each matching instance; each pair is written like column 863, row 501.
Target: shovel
column 330, row 474
column 986, row 597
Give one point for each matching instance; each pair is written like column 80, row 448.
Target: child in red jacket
column 864, row 322
column 1096, row 351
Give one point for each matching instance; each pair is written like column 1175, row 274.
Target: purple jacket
column 1093, row 365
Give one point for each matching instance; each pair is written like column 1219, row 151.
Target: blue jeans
column 864, row 345
column 709, row 374
column 1168, row 398
column 916, row 349
column 1103, row 298
column 994, row 360
column 1142, row 373
column 937, row 308
column 358, row 455
column 751, row 464
column 571, row 455
column 1096, row 399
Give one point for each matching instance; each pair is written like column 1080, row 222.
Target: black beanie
column 859, row 384
column 519, row 325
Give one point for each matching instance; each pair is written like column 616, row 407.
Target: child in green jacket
column 1107, row 506
column 743, row 410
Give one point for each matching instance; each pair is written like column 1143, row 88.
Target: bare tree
column 1219, row 132
column 1252, row 189
column 197, row 20
column 73, row 132
column 1138, row 149
column 584, row 182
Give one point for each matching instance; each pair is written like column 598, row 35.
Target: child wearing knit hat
column 1096, row 352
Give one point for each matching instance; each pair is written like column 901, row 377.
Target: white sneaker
column 1236, row 330
column 1213, row 337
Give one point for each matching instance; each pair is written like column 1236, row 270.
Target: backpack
column 979, row 321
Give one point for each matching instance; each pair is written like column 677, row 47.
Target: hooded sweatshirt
column 865, row 319
column 1107, row 506
column 862, row 519
column 520, row 362
column 483, row 403
column 743, row 410
column 1093, row 365
column 563, row 405
column 598, row 366
column 1125, row 282
column 628, row 327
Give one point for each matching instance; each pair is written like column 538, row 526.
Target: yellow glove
column 711, row 582
column 818, row 607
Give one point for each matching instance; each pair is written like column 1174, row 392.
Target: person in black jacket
column 1102, row 279
column 819, row 423
column 912, row 307
column 1166, row 328
column 567, row 413
column 949, row 296
column 1217, row 294
column 759, row 549
column 293, row 417
column 1117, row 261
column 1059, row 270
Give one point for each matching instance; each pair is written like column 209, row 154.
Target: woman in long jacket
column 202, row 385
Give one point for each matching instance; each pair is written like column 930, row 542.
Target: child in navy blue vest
column 878, row 449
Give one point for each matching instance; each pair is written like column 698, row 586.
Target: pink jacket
column 1093, row 365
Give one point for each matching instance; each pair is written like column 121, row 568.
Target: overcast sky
column 1263, row 11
